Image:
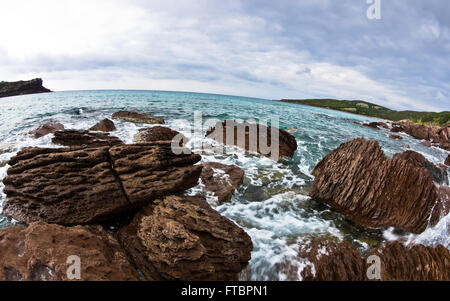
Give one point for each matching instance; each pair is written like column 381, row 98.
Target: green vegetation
column 372, row 110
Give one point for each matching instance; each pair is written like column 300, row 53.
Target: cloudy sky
column 268, row 49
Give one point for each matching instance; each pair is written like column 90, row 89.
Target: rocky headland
column 33, row 86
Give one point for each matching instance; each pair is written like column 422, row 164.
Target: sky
column 256, row 48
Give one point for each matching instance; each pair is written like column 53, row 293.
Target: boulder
column 413, row 262
column 357, row 180
column 83, row 186
column 261, row 142
column 41, row 252
column 183, row 238
column 372, row 125
column 81, row 138
column 157, row 133
column 222, row 180
column 328, row 260
column 137, row 117
column 447, row 161
column 105, row 125
column 22, row 87
column 438, row 174
column 396, row 137
column 46, row 128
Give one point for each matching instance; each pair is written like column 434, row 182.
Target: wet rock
column 183, row 238
column 426, row 143
column 396, row 137
column 357, row 180
column 447, row 161
column 413, row 263
column 327, row 260
column 81, row 138
column 46, row 128
column 444, row 196
column 105, row 125
column 22, row 87
column 149, row 171
column 372, row 125
column 255, row 193
column 41, row 251
column 137, row 117
column 157, row 133
column 261, row 140
column 82, row 186
column 222, row 180
column 438, row 174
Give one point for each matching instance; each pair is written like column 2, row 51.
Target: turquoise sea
column 273, row 204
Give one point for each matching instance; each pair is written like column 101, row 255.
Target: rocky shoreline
column 33, row 86
column 65, row 196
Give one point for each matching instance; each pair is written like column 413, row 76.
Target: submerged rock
column 105, row 125
column 439, row 175
column 157, row 133
column 82, row 186
column 357, row 180
column 81, row 138
column 22, row 87
column 46, row 128
column 183, row 238
column 413, row 263
column 255, row 138
column 328, row 260
column 41, row 252
column 396, row 137
column 137, row 117
column 222, row 180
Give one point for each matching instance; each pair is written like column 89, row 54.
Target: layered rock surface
column 358, row 181
column 438, row 136
column 183, row 238
column 82, row 186
column 157, row 133
column 222, row 180
column 41, row 252
column 255, row 138
column 135, row 117
column 81, row 138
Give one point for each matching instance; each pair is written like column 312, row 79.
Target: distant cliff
column 22, row 87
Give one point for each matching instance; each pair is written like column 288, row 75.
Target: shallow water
column 272, row 205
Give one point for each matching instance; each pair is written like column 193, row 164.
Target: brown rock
column 413, row 263
column 444, row 196
column 105, row 125
column 80, row 138
column 183, row 238
column 372, row 125
column 447, row 161
column 157, row 133
column 149, row 171
column 259, row 143
column 46, row 128
column 62, row 186
column 40, row 252
column 222, row 180
column 82, row 186
column 439, row 175
column 331, row 261
column 359, row 182
column 137, row 117
column 396, row 137
column 426, row 143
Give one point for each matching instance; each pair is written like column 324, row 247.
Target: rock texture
column 105, row 125
column 222, row 180
column 22, row 87
column 81, row 138
column 40, row 253
column 447, row 161
column 439, row 175
column 359, row 182
column 444, row 196
column 82, row 186
column 137, row 117
column 46, row 128
column 328, row 260
column 435, row 135
column 413, row 263
column 157, row 133
column 396, row 137
column 261, row 142
column 183, row 238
